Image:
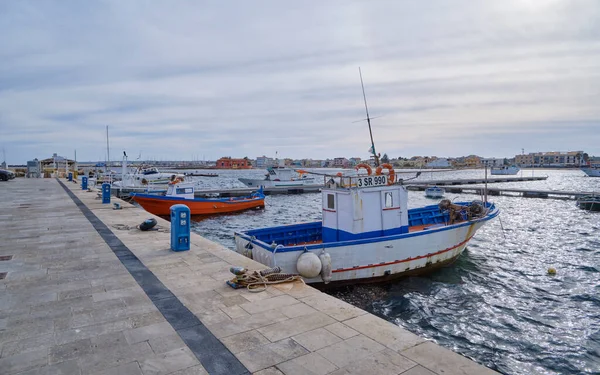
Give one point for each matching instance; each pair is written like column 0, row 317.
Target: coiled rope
column 257, row 281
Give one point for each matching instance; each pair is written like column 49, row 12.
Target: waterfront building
column 550, row 159
column 439, row 163
column 56, row 164
column 354, row 161
column 264, row 162
column 473, row 161
column 229, row 163
column 493, row 162
column 341, row 162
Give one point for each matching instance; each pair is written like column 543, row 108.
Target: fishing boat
column 280, row 177
column 179, row 192
column 367, row 233
column 434, row 192
column 505, row 170
column 589, row 202
column 591, row 171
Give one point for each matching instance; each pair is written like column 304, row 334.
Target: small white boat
column 591, row 171
column 280, row 177
column 434, row 192
column 504, row 170
column 144, row 177
column 367, row 234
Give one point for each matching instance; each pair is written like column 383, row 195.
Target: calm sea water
column 496, row 304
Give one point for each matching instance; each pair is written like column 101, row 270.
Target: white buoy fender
column 325, row 259
column 308, row 265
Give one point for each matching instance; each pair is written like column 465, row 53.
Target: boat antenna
column 368, row 119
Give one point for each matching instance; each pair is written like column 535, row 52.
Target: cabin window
column 185, row 190
column 389, row 201
column 331, row 201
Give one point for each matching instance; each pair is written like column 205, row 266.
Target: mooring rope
column 257, row 281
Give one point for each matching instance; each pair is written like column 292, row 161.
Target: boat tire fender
column 148, row 224
column 308, row 265
column 325, row 259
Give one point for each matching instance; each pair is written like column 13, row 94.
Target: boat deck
column 84, row 292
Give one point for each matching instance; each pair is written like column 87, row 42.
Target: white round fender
column 308, row 265
column 325, row 259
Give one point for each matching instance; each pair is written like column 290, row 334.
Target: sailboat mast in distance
column 368, row 120
column 107, row 147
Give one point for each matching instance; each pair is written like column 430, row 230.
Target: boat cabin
column 282, row 174
column 351, row 213
column 181, row 190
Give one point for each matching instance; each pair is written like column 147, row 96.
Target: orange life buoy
column 365, row 166
column 176, row 181
column 391, row 175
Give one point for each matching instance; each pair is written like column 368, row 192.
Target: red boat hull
column 158, row 206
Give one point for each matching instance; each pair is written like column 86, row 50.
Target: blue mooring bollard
column 84, row 183
column 70, row 176
column 105, row 193
column 180, row 227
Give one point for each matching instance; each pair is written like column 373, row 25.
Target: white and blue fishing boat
column 367, row 232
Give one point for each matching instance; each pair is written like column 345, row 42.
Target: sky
column 198, row 80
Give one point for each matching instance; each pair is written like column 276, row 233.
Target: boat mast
column 368, row 120
column 107, row 148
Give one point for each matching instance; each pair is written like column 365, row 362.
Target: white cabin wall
column 345, row 212
column 371, row 201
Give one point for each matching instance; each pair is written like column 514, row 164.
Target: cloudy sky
column 205, row 79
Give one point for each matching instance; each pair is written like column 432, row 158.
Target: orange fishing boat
column 179, row 192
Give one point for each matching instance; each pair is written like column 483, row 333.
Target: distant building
column 554, row 159
column 264, row 162
column 493, row 162
column 354, row 162
column 341, row 162
column 473, row 161
column 439, row 163
column 57, row 165
column 310, row 163
column 229, row 163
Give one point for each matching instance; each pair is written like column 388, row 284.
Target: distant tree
column 245, row 158
column 385, row 159
column 586, row 157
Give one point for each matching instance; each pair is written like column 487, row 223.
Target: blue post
column 106, row 193
column 70, row 176
column 84, row 183
column 180, row 227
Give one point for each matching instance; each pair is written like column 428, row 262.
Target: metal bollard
column 105, row 193
column 180, row 227
column 84, row 181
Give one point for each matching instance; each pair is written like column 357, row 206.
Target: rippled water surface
column 496, row 304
